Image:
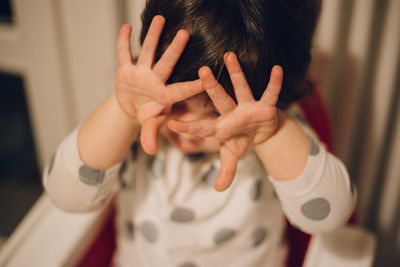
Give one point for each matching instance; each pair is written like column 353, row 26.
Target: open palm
column 241, row 125
column 141, row 88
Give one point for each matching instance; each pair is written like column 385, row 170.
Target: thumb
column 149, row 133
column 228, row 169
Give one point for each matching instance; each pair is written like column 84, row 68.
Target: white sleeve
column 73, row 186
column 321, row 198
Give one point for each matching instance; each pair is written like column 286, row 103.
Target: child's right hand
column 141, row 88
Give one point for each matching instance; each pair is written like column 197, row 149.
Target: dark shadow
column 20, row 184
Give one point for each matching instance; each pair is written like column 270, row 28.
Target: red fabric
column 316, row 113
column 101, row 252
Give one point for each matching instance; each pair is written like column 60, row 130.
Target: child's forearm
column 311, row 183
column 285, row 154
column 105, row 137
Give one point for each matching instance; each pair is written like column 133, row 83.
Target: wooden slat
column 349, row 86
column 378, row 85
column 44, row 82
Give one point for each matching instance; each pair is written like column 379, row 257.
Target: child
column 169, row 213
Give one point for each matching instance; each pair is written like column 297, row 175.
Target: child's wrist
column 281, row 119
column 132, row 120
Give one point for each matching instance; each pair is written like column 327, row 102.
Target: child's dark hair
column 262, row 33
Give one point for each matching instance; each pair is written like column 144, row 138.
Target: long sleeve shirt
column 170, row 215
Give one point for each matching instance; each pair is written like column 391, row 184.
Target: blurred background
column 57, row 63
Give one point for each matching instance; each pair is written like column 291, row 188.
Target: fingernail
column 203, row 71
column 219, row 187
column 226, row 55
column 159, row 17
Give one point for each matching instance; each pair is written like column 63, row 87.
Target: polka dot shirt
column 170, row 214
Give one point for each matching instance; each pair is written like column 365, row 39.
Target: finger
column 222, row 101
column 150, row 42
column 242, row 90
column 148, row 109
column 227, row 171
column 271, row 94
column 167, row 62
column 149, row 133
column 170, row 94
column 124, row 55
column 180, row 91
column 200, row 128
column 240, row 121
column 229, row 130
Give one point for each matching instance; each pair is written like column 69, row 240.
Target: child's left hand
column 241, row 125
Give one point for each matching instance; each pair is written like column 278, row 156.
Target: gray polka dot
column 51, row 163
column 182, row 215
column 131, row 229
column 135, row 150
column 149, row 231
column 316, row 209
column 255, row 193
column 188, row 264
column 314, row 148
column 211, row 175
column 259, row 236
column 224, row 235
column 90, row 176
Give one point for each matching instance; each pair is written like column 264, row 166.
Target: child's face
column 195, row 108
